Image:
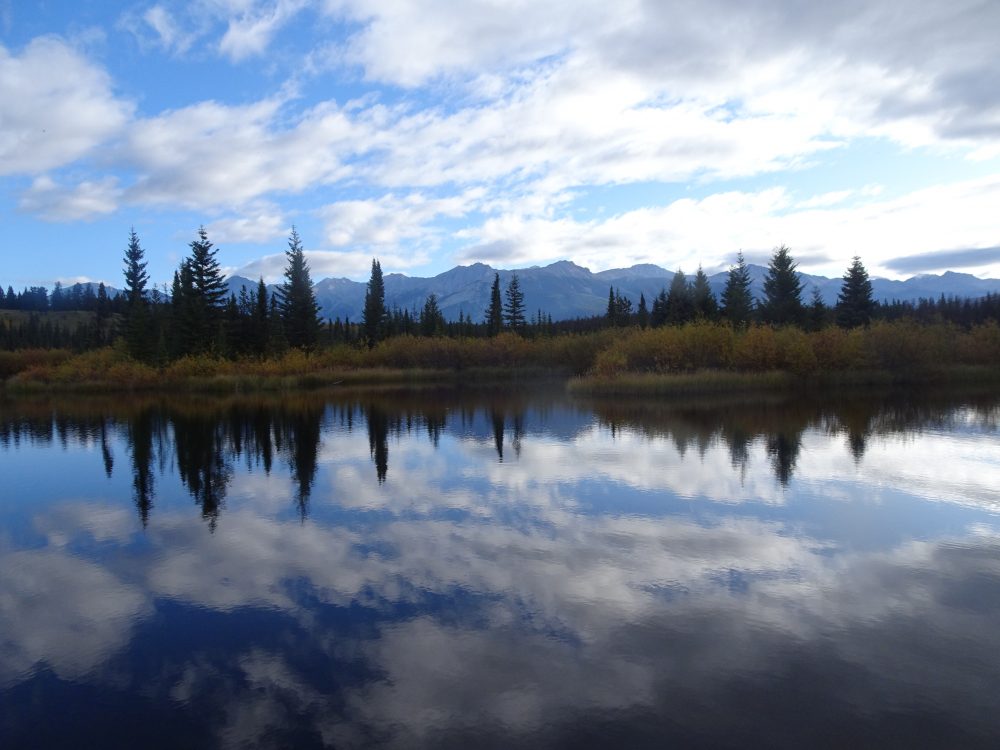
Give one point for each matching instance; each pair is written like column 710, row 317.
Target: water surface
column 497, row 569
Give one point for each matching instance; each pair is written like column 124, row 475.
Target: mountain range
column 565, row 290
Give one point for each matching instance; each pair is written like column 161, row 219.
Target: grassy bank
column 711, row 382
column 696, row 358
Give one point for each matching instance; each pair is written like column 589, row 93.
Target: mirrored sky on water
column 439, row 569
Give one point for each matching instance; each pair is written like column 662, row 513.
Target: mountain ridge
column 566, row 290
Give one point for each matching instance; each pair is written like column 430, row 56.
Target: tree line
column 200, row 316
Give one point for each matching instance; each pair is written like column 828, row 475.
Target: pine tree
column 298, row 300
column 643, row 312
column 855, row 302
column 103, row 303
column 494, row 313
column 208, row 293
column 374, row 312
column 679, row 304
column 513, row 309
column 57, row 300
column 259, row 319
column 817, row 311
column 432, row 322
column 138, row 320
column 782, row 290
column 702, row 299
column 737, row 302
column 658, row 314
column 619, row 308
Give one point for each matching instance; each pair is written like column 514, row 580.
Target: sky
column 432, row 133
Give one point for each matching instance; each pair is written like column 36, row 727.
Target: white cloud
column 333, row 263
column 213, row 155
column 709, row 231
column 391, row 219
column 257, row 224
column 57, row 107
column 250, row 33
column 162, row 22
column 85, row 200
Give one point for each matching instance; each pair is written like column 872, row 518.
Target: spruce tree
column 855, row 302
column 374, row 312
column 259, row 319
column 432, row 322
column 299, row 310
column 494, row 313
column 57, row 299
column 658, row 315
column 643, row 312
column 513, row 309
column 680, row 308
column 737, row 302
column 702, row 299
column 138, row 320
column 208, row 293
column 782, row 290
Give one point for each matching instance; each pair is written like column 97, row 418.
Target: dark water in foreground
column 499, row 570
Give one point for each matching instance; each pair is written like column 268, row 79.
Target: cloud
column 250, row 33
column 213, row 155
column 162, row 22
column 58, row 107
column 259, row 224
column 96, row 614
column 978, row 257
column 85, row 200
column 390, row 219
column 708, row 231
column 333, row 263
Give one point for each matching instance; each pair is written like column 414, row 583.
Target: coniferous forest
column 196, row 327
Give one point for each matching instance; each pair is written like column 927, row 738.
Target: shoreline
column 698, row 383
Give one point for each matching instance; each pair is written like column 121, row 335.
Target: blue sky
column 429, row 133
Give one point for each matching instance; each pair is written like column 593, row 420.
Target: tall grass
column 698, row 356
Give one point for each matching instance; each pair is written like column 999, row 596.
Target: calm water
column 499, row 570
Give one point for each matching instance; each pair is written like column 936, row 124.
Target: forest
column 142, row 336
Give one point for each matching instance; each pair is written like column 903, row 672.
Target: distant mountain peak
column 565, row 289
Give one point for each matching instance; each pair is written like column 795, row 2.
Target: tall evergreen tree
column 642, row 314
column 432, row 322
column 299, row 309
column 513, row 308
column 57, row 300
column 374, row 312
column 855, row 302
column 259, row 319
column 138, row 321
column 494, row 313
column 658, row 314
column 737, row 302
column 679, row 304
column 208, row 292
column 782, row 290
column 702, row 299
column 103, row 302
column 187, row 322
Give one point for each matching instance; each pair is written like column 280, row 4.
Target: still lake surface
column 500, row 569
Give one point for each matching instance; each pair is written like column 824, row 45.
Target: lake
column 500, row 568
